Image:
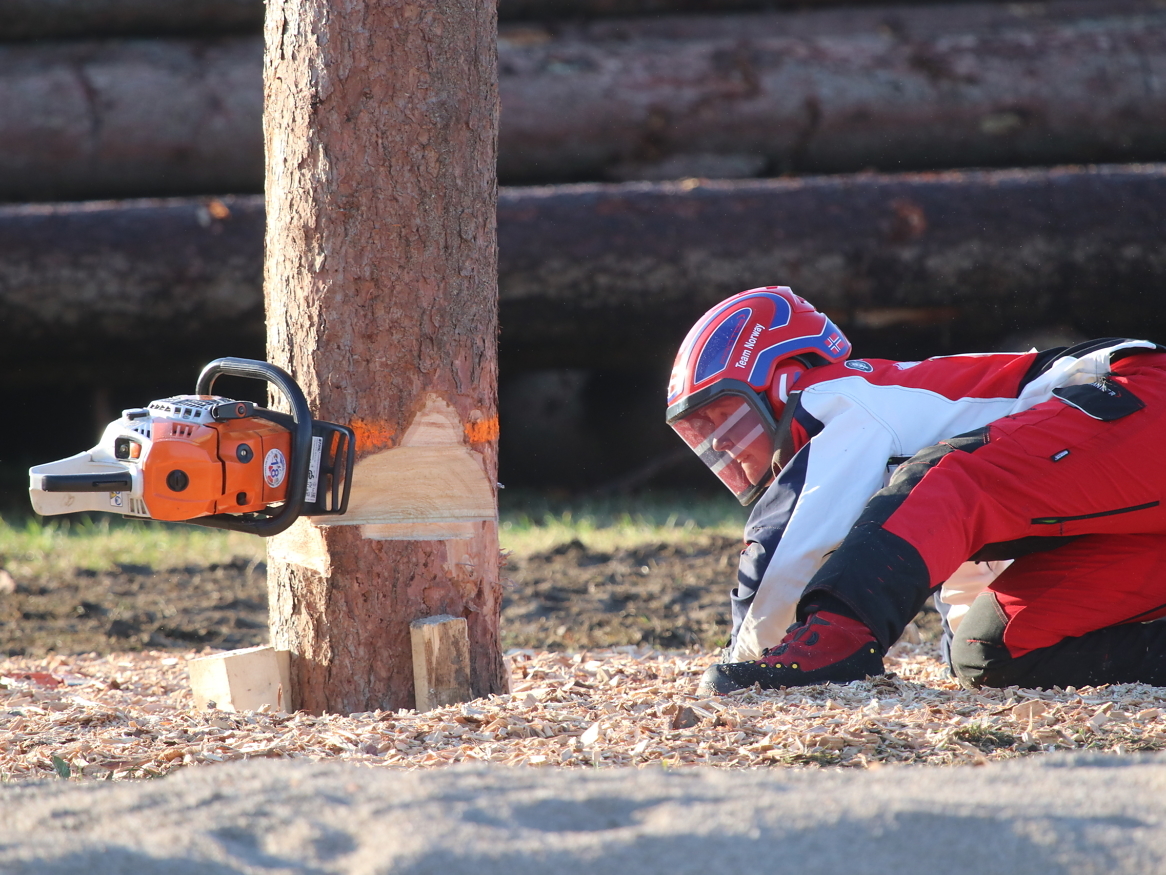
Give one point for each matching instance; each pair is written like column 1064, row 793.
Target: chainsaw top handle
column 301, row 443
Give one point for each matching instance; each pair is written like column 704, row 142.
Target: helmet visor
column 734, row 438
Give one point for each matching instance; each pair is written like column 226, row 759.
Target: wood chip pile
column 128, row 716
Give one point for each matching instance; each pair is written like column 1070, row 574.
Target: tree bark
column 380, row 283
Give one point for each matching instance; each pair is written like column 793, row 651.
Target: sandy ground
column 1071, row 814
column 600, row 759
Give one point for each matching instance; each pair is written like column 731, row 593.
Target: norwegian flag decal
column 835, row 341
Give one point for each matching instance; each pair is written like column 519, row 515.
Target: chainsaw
column 208, row 460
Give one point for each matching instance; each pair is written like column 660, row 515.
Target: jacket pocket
column 1058, row 520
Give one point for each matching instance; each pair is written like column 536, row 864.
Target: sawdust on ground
column 131, row 715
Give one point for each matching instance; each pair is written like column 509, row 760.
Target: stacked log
column 835, row 92
column 103, row 290
column 130, row 118
column 732, row 96
column 601, row 276
column 56, row 19
column 101, row 302
column 40, row 19
column 940, row 262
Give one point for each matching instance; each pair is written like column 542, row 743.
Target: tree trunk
column 380, row 282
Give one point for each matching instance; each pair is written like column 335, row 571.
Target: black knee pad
column 978, row 655
column 1123, row 654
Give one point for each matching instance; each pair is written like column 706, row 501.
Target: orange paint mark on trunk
column 372, row 435
column 482, row 431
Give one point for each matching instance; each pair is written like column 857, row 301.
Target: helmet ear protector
column 784, row 376
column 733, row 374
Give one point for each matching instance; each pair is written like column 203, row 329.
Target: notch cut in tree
column 380, row 278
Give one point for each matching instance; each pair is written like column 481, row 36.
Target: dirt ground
column 666, row 596
column 136, row 608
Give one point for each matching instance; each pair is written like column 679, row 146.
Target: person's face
column 732, row 439
column 754, row 458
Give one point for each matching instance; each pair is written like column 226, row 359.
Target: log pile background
column 756, row 94
column 679, row 147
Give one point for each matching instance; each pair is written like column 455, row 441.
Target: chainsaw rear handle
column 301, row 444
column 87, row 482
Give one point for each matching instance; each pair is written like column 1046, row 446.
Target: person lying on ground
column 879, row 479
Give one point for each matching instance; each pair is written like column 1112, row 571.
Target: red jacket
column 854, row 421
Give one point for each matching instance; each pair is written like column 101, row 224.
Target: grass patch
column 530, row 523
column 34, row 547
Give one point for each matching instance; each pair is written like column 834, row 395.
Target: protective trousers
column 1076, row 488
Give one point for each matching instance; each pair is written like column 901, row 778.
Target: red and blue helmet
column 733, row 373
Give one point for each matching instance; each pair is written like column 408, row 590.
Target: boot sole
column 719, row 679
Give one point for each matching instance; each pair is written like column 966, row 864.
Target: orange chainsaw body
column 216, row 479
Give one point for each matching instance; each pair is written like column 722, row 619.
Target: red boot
column 824, row 648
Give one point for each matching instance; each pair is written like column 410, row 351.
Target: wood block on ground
column 242, row 680
column 441, row 661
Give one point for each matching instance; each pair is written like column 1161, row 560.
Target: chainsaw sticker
column 274, row 468
column 115, row 499
column 314, row 470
